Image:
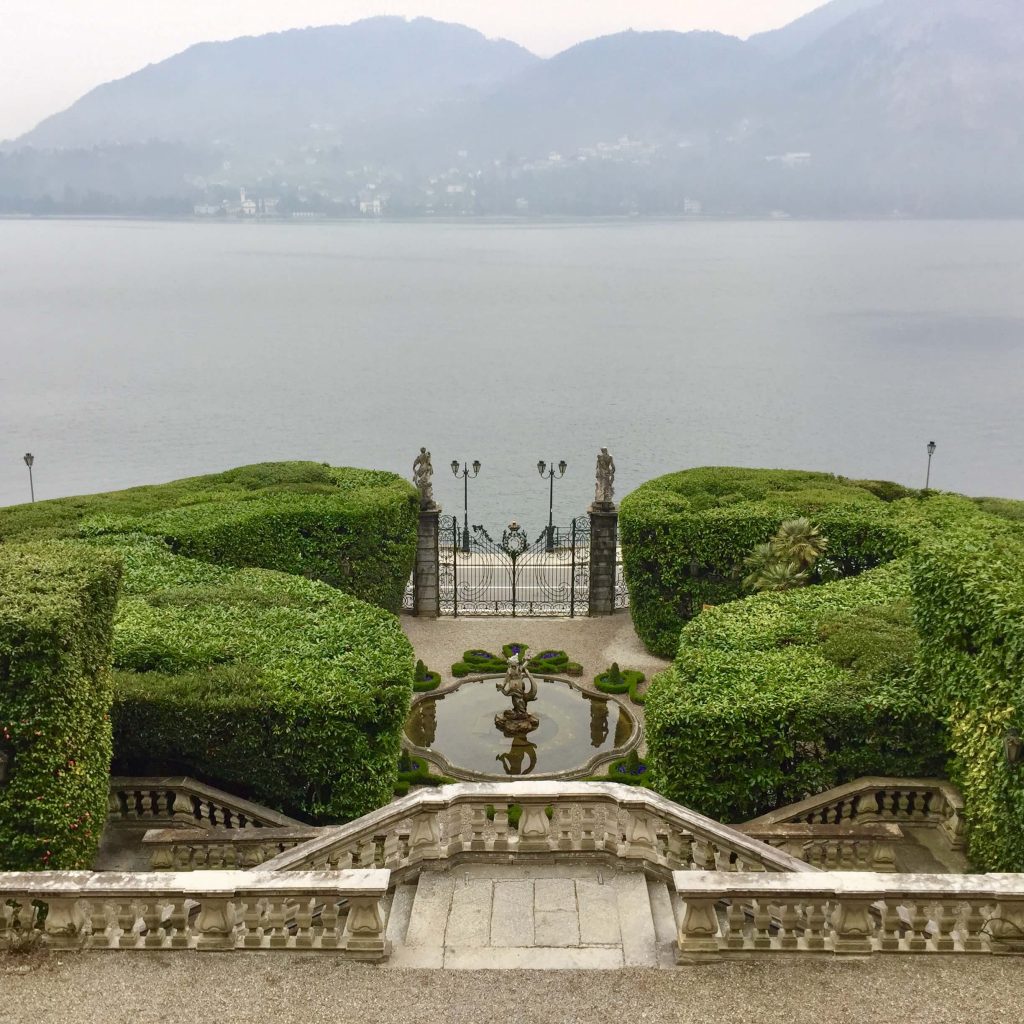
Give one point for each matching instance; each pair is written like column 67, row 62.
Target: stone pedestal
column 604, row 529
column 426, row 592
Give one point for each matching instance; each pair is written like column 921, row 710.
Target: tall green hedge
column 352, row 528
column 968, row 588
column 684, row 536
column 57, row 606
column 277, row 688
column 783, row 695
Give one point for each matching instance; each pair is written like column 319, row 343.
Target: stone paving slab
column 599, row 912
column 512, row 913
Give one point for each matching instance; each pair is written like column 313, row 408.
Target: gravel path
column 254, row 988
column 594, row 643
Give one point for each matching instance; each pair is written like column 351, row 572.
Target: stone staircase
column 539, row 917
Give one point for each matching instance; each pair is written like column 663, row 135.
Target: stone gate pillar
column 426, row 592
column 604, row 531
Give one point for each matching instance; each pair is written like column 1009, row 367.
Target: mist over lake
column 137, row 352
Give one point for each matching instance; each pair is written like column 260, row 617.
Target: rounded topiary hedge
column 785, row 695
column 57, row 606
column 277, row 688
column 685, row 535
column 352, row 528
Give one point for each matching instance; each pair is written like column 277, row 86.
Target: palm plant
column 778, row 576
column 786, row 561
column 799, row 540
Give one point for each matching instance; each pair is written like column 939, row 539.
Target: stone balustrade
column 729, row 914
column 907, row 802
column 338, row 912
column 473, row 821
column 197, row 849
column 835, row 847
column 185, row 801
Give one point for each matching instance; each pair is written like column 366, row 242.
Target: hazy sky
column 53, row 51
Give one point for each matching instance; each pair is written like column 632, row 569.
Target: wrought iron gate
column 512, row 576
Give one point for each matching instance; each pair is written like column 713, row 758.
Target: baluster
column 590, row 825
column 152, row 924
column 917, row 942
column 394, row 853
column 183, row 809
column 341, row 860
column 846, row 811
column 790, row 925
column 177, row 923
column 816, row 913
column 367, row 853
column 891, row 926
column 947, row 914
column 762, row 924
column 127, row 916
column 252, row 915
column 640, row 836
column 1006, row 926
column 736, row 922
column 304, row 923
column 329, row 934
column 866, row 807
column 889, row 804
column 903, row 805
column 63, row 925
column 116, row 804
column 99, row 925
column 703, row 855
column 501, row 829
column 478, row 827
column 975, row 935
column 564, row 827
column 680, row 850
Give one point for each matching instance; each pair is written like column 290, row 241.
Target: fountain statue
column 522, row 688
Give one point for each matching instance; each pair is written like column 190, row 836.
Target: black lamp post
column 549, row 474
column 29, row 459
column 931, row 452
column 466, row 476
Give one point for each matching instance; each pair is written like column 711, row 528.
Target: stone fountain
column 522, row 688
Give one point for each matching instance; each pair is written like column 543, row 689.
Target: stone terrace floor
column 594, row 643
column 267, row 988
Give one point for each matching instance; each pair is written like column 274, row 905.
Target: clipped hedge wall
column 352, row 528
column 57, row 606
column 968, row 588
column 783, row 695
column 277, row 688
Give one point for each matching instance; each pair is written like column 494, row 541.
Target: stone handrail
column 185, row 801
column 907, row 802
column 728, row 914
column 834, row 847
column 471, row 821
column 338, row 912
column 198, row 849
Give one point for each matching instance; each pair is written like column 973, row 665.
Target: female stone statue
column 422, row 471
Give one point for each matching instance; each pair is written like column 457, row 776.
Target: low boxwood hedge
column 785, row 695
column 480, row 662
column 617, row 681
column 277, row 688
column 57, row 606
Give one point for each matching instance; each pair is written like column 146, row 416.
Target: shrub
column 424, row 680
column 781, row 696
column 617, row 681
column 479, row 662
column 352, row 528
column 57, row 606
column 968, row 588
column 278, row 688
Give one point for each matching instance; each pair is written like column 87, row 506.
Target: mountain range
column 862, row 107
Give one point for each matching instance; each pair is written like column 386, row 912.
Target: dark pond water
column 574, row 727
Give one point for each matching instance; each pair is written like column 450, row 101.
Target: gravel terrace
column 253, row 988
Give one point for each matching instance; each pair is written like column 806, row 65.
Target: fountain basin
column 576, row 732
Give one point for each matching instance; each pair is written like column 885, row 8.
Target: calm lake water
column 140, row 352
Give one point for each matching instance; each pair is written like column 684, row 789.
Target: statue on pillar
column 604, row 490
column 422, row 471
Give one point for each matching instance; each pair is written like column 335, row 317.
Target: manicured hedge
column 968, row 588
column 277, row 688
column 57, row 606
column 785, row 695
column 352, row 528
column 684, row 535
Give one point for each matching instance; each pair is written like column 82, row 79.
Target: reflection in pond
column 573, row 728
